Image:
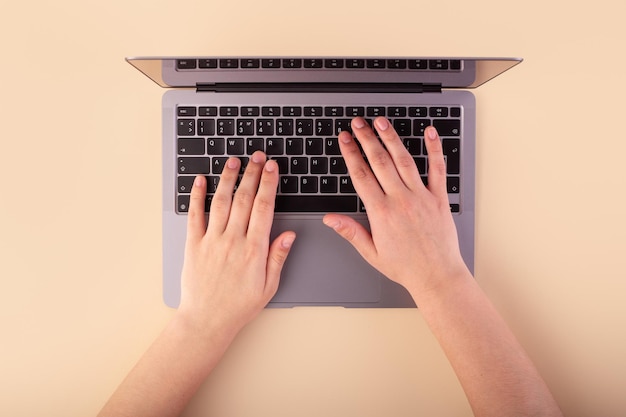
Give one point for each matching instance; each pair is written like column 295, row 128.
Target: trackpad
column 322, row 268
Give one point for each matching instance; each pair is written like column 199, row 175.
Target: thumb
column 353, row 232
column 276, row 258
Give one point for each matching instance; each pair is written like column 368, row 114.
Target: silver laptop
column 292, row 108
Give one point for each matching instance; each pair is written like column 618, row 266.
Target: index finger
column 363, row 179
column 262, row 214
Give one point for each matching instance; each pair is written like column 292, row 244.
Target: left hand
column 231, row 271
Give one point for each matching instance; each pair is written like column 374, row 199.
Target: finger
column 196, row 222
column 243, row 199
column 353, row 232
column 436, row 163
column 402, row 159
column 262, row 214
column 279, row 250
column 363, row 179
column 223, row 197
column 378, row 158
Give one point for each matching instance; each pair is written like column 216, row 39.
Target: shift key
column 447, row 127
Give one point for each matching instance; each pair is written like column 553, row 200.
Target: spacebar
column 315, row 203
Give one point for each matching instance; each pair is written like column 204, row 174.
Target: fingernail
column 199, row 181
column 270, row 166
column 345, row 137
column 287, row 241
column 257, row 158
column 358, row 123
column 333, row 224
column 382, row 123
column 432, row 133
column 231, row 163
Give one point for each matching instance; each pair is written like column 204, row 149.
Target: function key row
column 319, row 63
column 318, row 111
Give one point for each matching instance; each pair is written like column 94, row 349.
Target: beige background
column 80, row 205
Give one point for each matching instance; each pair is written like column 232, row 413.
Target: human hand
column 231, row 271
column 413, row 238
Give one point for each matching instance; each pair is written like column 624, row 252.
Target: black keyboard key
column 270, row 111
column 210, row 111
column 396, row 63
column 451, row 149
column 418, row 64
column 284, row 127
column 376, row 63
column 187, row 111
column 338, row 166
column 453, row 184
column 355, row 63
column 186, row 64
column 215, row 146
column 190, row 146
column 328, row 185
column 332, row 146
column 375, row 111
column 313, row 63
column 186, row 127
column 419, row 125
column 308, row 185
column 206, row 127
column 418, row 111
column 283, row 164
column 342, row 125
column 229, row 63
column 254, row 144
column 217, row 165
column 198, row 165
column 292, row 111
column 265, row 127
column 413, row 145
column 234, row 146
column 455, row 112
column 229, row 111
column 299, row 165
column 250, row 111
column 324, row 127
column 245, row 127
column 274, row 146
column 294, row 146
column 438, row 112
column 313, row 111
column 345, row 185
column 292, row 63
column 455, row 64
column 315, row 204
column 402, row 127
column 304, row 127
column 333, row 111
column 288, row 184
column 355, row 111
column 250, row 63
column 447, row 127
column 438, row 64
column 314, row 146
column 185, row 183
column 225, row 127
column 319, row 165
column 455, row 208
column 209, row 63
column 420, row 162
column 396, row 111
column 333, row 63
column 270, row 63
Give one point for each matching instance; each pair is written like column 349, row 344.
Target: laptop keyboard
column 303, row 141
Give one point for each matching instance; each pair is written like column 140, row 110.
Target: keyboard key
column 438, row 64
column 234, row 146
column 229, row 63
column 254, row 144
column 355, row 63
column 186, row 127
column 274, row 146
column 315, row 204
column 313, row 111
column 345, row 185
column 355, row 111
column 375, row 111
column 308, row 185
column 396, row 63
column 396, row 111
column 292, row 111
column 292, row 63
column 402, row 127
column 209, row 63
column 185, row 183
column 270, row 63
column 324, row 127
column 206, row 127
column 249, row 111
column 375, row 63
column 413, row 145
column 419, row 125
column 313, row 63
column 332, row 146
column 250, row 63
column 294, row 146
column 328, row 185
column 319, row 165
column 198, row 165
column 226, row 127
column 270, row 111
column 418, row 111
column 283, row 164
column 186, row 64
column 333, row 63
column 438, row 112
column 217, row 165
column 453, row 184
column 338, row 166
column 304, row 127
column 448, row 127
column 215, row 146
column 187, row 111
column 418, row 64
column 229, row 111
column 333, row 111
column 342, row 125
column 314, row 146
column 284, row 127
column 210, row 111
column 265, row 127
column 299, row 165
column 452, row 152
column 245, row 127
column 189, row 146
column 288, row 184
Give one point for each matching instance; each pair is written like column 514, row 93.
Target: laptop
column 292, row 108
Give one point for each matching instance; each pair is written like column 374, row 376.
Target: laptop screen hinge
column 318, row 87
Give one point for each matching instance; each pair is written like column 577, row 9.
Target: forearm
column 495, row 372
column 170, row 372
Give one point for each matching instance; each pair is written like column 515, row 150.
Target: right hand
column 413, row 239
